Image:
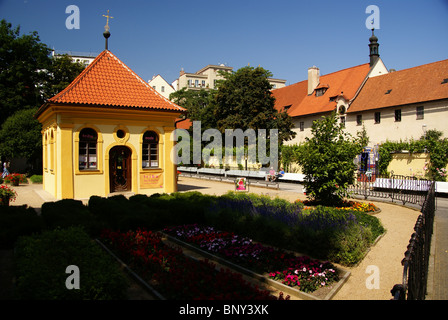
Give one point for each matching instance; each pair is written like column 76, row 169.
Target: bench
column 441, row 187
column 401, row 184
column 239, row 173
column 211, row 171
column 188, row 170
column 295, row 177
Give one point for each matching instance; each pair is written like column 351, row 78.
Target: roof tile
column 107, row 81
column 413, row 85
column 341, row 83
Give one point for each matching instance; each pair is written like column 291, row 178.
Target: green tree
column 327, row 160
column 62, row 70
column 198, row 104
column 28, row 76
column 24, row 61
column 243, row 100
column 21, row 136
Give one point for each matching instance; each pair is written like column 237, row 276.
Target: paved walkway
column 437, row 288
column 384, row 258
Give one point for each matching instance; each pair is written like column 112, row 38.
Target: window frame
column 150, row 151
column 397, row 115
column 420, row 112
column 85, row 145
column 359, row 119
column 377, row 117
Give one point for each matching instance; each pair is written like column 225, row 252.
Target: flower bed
column 301, row 272
column 347, row 205
column 176, row 276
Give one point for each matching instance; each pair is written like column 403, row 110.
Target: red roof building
column 108, row 131
column 402, row 105
column 108, row 82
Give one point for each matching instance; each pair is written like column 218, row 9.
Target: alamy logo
column 72, row 281
column 373, row 21
column 256, row 145
column 373, row 280
column 73, row 20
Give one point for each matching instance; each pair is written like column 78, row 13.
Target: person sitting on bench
column 271, row 175
column 281, row 173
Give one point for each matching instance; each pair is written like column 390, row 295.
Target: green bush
column 323, row 232
column 372, row 222
column 350, row 245
column 176, row 208
column 41, row 262
column 69, row 212
column 16, row 221
column 36, row 178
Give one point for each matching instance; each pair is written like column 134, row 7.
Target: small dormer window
column 286, row 108
column 320, row 92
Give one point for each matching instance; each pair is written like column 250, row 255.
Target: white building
column 82, row 57
column 161, row 86
column 206, row 78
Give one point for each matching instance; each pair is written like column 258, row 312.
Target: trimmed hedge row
column 42, row 261
column 341, row 236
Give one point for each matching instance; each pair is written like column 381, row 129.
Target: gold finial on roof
column 106, row 27
column 106, row 32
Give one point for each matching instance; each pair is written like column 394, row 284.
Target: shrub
column 350, row 246
column 16, row 221
column 322, row 232
column 368, row 221
column 36, row 178
column 41, row 262
column 177, row 208
column 67, row 213
column 327, row 160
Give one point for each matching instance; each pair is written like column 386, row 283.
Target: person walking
column 5, row 170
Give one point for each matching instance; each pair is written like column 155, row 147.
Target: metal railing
column 416, row 260
column 406, row 189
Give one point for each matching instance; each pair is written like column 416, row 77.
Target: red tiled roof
column 413, row 85
column 341, row 83
column 107, row 81
column 184, row 124
column 290, row 96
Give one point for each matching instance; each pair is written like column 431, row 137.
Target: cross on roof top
column 106, row 27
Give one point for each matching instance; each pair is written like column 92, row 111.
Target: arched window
column 87, row 149
column 150, row 150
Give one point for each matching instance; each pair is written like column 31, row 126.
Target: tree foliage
column 327, row 160
column 21, row 136
column 28, row 76
column 23, row 63
column 243, row 100
column 62, row 70
column 199, row 105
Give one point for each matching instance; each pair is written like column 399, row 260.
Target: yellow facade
column 64, row 178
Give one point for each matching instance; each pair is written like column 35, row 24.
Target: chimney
column 182, row 72
column 313, row 79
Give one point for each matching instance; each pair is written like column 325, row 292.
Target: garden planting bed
column 168, row 274
column 170, row 268
column 289, row 272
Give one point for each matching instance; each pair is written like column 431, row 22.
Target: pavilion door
column 120, row 169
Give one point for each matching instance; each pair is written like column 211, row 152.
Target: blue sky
column 285, row 37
